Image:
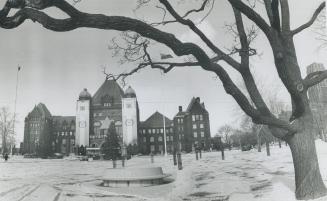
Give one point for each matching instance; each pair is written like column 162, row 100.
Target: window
column 128, row 105
column 63, row 141
column 144, row 131
column 167, row 138
column 194, row 126
column 171, row 138
column 201, row 126
column 144, row 139
column 178, row 121
column 171, row 130
column 193, row 117
column 152, row 148
column 149, row 131
column 154, row 131
column 140, row 131
column 201, row 117
column 161, row 130
column 151, row 139
column 160, row 148
column 167, row 131
column 82, row 108
column 160, row 139
column 107, row 104
column 100, row 114
column 195, row 134
column 181, row 120
column 95, row 114
column 202, row 134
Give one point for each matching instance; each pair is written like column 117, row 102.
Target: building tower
column 130, row 117
column 83, row 119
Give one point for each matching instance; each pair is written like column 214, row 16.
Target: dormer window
column 106, row 104
column 107, row 101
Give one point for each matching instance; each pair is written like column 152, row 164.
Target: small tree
column 6, row 129
column 225, row 132
column 111, row 147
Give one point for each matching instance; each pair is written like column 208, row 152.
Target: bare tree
column 6, row 129
column 320, row 29
column 225, row 132
column 297, row 131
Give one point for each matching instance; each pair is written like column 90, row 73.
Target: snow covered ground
column 243, row 176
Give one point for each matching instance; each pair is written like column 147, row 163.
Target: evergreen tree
column 111, row 147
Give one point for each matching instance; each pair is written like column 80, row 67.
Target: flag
column 165, row 56
column 19, row 68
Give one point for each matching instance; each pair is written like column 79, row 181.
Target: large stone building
column 318, row 101
column 152, row 133
column 45, row 134
column 192, row 127
column 189, row 129
column 37, row 131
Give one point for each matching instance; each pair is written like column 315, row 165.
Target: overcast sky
column 57, row 66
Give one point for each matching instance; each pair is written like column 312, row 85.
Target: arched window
column 151, row 139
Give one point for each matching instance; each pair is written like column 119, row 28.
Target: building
column 152, row 132
column 45, row 134
column 192, row 127
column 37, row 131
column 110, row 104
column 318, row 101
column 63, row 134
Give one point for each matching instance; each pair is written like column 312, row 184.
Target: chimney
column 197, row 99
column 180, row 108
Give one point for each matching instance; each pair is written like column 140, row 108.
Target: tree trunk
column 222, row 153
column 308, row 181
column 267, row 148
column 279, row 143
column 259, row 143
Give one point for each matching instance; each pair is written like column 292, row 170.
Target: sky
column 57, row 66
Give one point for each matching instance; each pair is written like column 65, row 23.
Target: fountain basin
column 134, row 177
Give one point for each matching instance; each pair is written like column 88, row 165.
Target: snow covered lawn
column 243, row 176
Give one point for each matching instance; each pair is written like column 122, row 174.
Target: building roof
column 84, row 94
column 130, row 92
column 108, row 88
column 40, row 110
column 61, row 119
column 195, row 101
column 156, row 121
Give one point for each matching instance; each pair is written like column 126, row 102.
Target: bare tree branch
column 252, row 15
column 286, row 25
column 204, row 4
column 204, row 38
column 311, row 21
column 314, row 78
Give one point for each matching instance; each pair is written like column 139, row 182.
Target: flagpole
column 164, row 130
column 17, row 78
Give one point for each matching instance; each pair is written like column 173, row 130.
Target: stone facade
column 318, row 101
column 152, row 132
